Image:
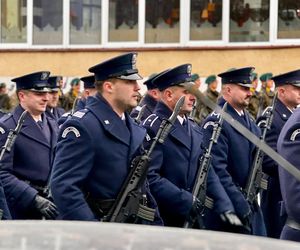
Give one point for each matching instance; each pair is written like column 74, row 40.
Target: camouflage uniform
column 202, row 111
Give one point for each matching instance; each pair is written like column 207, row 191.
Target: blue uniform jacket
column 288, row 146
column 150, row 103
column 93, row 158
column 56, row 113
column 232, row 160
column 30, row 160
column 271, row 198
column 173, row 168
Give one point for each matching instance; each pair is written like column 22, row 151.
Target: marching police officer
column 232, row 155
column 88, row 90
column 52, row 109
column 26, row 169
column 288, row 146
column 174, row 164
column 96, row 145
column 150, row 99
column 288, row 97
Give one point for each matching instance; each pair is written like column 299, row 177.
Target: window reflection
column 47, row 22
column 13, row 21
column 123, row 20
column 162, row 21
column 249, row 20
column 288, row 19
column 85, row 22
column 206, row 18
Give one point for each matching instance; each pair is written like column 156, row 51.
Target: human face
column 213, row 86
column 53, row 99
column 176, row 93
column 239, row 96
column 289, row 95
column 124, row 94
column 34, row 102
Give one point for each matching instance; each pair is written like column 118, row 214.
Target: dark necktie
column 44, row 130
column 185, row 124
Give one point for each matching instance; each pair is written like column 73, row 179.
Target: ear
column 108, row 86
column 168, row 95
column 21, row 95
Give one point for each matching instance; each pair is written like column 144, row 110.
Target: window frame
column 184, row 37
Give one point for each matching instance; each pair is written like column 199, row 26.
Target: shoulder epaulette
column 81, row 113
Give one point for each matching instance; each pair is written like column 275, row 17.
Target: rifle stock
column 126, row 206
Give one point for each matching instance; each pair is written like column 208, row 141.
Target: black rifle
column 126, row 206
column 12, row 135
column 255, row 181
column 200, row 186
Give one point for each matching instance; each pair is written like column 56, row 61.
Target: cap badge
column 189, row 69
column 133, row 61
column 44, row 76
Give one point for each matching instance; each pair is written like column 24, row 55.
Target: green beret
column 210, row 79
column 2, row 85
column 195, row 77
column 254, row 76
column 265, row 77
column 75, row 82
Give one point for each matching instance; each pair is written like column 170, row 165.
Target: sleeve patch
column 70, row 130
column 294, row 134
column 210, row 123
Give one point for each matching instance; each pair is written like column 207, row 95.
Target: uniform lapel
column 30, row 128
column 137, row 135
column 178, row 132
column 54, row 130
column 110, row 121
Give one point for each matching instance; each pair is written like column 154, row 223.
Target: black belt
column 292, row 224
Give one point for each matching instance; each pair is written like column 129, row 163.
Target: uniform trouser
column 291, row 231
column 271, row 208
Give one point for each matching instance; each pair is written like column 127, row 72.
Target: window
column 123, row 20
column 206, row 20
column 249, row 20
column 47, row 22
column 13, row 21
column 85, row 22
column 162, row 21
column 288, row 19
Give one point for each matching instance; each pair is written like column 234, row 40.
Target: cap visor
column 296, row 84
column 42, row 90
column 247, row 85
column 130, row 77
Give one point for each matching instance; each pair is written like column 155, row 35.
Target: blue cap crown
column 37, row 81
column 88, row 81
column 122, row 67
column 172, row 77
column 54, row 82
column 292, row 78
column 242, row 76
column 149, row 82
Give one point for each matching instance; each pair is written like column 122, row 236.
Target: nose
column 136, row 86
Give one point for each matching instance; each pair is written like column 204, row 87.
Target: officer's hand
column 233, row 223
column 231, row 218
column 45, row 207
